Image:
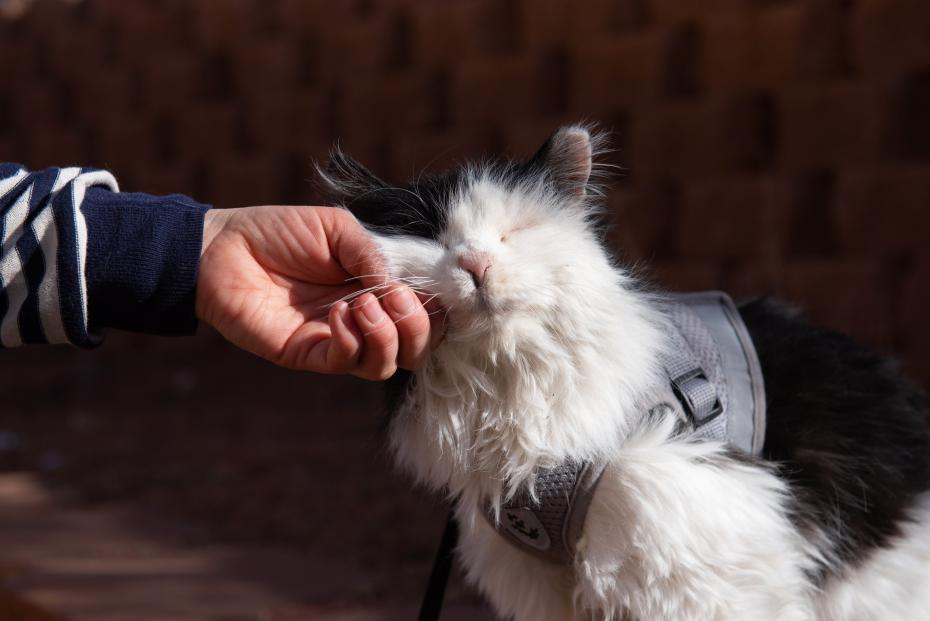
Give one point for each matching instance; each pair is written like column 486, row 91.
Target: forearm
column 77, row 256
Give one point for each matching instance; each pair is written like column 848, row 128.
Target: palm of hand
column 272, row 280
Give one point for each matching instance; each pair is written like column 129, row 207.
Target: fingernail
column 401, row 301
column 372, row 311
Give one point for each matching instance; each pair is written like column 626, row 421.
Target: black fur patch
column 847, row 431
column 420, row 207
column 417, row 209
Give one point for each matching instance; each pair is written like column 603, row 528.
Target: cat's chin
column 469, row 325
column 479, row 319
column 474, row 306
column 479, row 305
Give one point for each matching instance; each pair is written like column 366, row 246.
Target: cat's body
column 550, row 347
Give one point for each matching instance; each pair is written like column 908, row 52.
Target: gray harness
column 715, row 389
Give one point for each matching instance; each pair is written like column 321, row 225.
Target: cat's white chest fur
column 662, row 528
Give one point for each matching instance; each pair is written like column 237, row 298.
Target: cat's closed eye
column 506, row 236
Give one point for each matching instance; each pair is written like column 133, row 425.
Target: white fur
column 678, row 531
column 548, row 360
column 893, row 584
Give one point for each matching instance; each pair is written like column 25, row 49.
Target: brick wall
column 775, row 146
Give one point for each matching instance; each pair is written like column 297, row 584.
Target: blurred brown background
column 769, row 146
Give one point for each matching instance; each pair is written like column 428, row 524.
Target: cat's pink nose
column 476, row 264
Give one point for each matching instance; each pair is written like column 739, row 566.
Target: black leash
column 439, row 577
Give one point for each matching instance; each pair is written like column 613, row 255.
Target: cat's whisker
column 388, row 276
column 411, row 313
column 351, row 296
column 414, row 283
column 381, row 295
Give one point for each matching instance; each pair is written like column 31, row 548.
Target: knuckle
column 414, row 328
column 383, row 337
column 342, row 359
column 417, row 324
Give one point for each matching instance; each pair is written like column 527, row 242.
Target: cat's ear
column 345, row 178
column 567, row 159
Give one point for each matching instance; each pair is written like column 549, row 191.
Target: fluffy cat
column 550, row 344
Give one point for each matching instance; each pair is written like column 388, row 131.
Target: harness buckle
column 697, row 396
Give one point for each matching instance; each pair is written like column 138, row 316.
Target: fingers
column 362, row 341
column 360, row 255
column 372, row 337
column 345, row 343
column 437, row 321
column 371, row 341
column 378, row 359
column 413, row 327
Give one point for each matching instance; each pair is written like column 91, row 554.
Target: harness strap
column 548, row 521
column 698, row 397
column 699, row 391
column 431, row 607
column 739, row 364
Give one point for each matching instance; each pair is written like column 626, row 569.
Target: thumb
column 356, row 250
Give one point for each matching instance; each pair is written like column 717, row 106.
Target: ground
column 230, row 451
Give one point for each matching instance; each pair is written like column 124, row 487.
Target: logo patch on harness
column 524, row 526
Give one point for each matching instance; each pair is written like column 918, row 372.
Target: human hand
column 272, row 281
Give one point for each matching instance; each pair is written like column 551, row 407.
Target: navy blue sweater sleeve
column 78, row 256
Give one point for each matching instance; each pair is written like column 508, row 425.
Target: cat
column 549, row 344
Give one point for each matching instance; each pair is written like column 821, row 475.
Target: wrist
column 213, row 222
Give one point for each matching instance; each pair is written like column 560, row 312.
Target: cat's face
column 546, row 348
column 491, row 243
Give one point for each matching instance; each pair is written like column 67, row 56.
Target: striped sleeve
column 78, row 256
column 43, row 289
